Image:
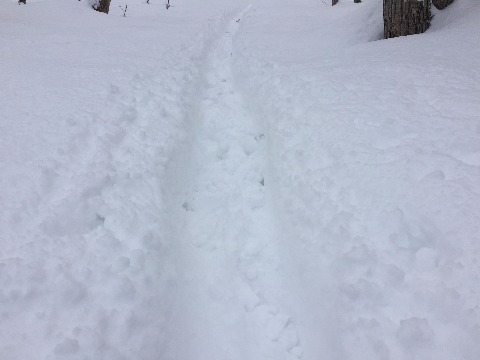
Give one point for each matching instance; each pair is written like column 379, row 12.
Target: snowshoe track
column 229, row 270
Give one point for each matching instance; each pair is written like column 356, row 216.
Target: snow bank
column 92, row 107
column 373, row 149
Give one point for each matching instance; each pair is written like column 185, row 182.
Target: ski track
column 228, row 269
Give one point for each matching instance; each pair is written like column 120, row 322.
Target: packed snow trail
column 228, row 269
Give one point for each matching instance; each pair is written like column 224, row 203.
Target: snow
column 238, row 180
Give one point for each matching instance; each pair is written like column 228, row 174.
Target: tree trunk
column 441, row 4
column 103, row 6
column 405, row 17
column 334, row 2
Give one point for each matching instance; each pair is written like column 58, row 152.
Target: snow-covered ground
column 238, row 180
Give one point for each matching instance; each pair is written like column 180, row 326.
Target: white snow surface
column 238, row 180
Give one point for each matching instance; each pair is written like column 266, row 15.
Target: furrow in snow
column 228, row 268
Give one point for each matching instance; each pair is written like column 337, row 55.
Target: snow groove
column 228, row 272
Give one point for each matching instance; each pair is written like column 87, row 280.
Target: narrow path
column 228, row 280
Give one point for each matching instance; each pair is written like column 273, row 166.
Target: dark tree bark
column 357, row 1
column 405, row 17
column 103, row 6
column 441, row 4
column 22, row 1
column 334, row 2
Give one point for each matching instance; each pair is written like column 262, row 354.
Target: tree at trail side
column 102, row 6
column 441, row 4
column 406, row 17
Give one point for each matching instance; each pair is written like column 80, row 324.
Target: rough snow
column 238, row 180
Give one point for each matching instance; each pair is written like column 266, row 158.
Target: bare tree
column 406, row 17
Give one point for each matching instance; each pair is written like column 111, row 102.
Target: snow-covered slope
column 92, row 106
column 238, row 180
column 374, row 162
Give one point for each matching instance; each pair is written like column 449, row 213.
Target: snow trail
column 209, row 183
column 228, row 282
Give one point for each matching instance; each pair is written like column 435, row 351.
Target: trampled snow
column 238, row 180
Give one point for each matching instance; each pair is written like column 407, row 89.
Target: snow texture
column 232, row 180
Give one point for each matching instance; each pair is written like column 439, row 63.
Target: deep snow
column 238, row 180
